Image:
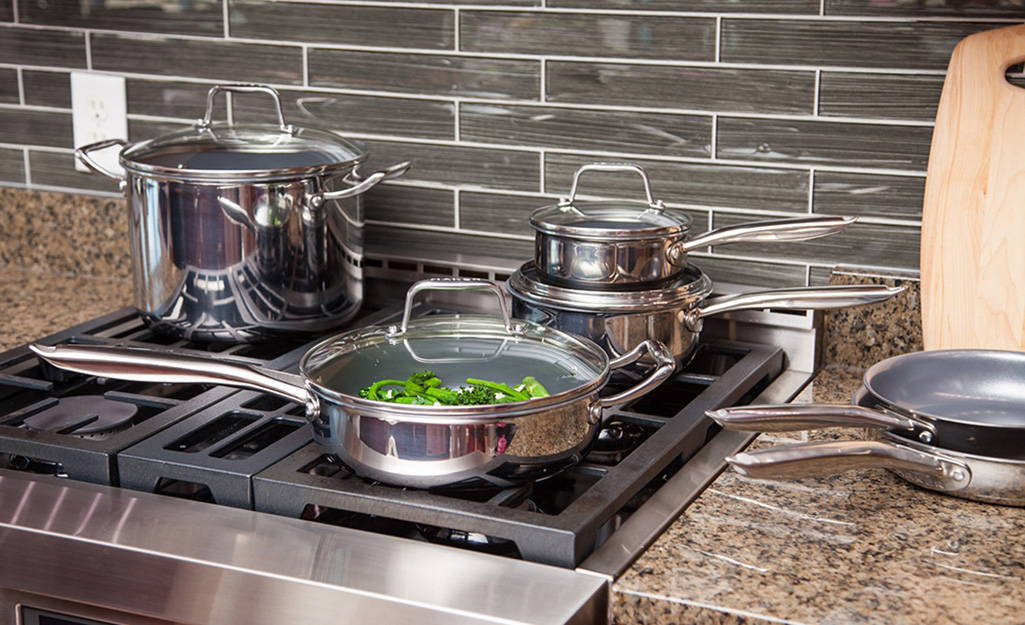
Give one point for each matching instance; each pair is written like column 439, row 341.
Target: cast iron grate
column 568, row 515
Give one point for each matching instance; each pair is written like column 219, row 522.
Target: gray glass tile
column 904, row 44
column 574, row 129
column 348, row 114
column 712, row 185
column 45, row 48
column 12, row 166
column 243, row 62
column 58, row 170
column 388, row 241
column 761, row 274
column 9, row 86
column 426, row 74
column 882, row 96
column 391, row 27
column 711, row 89
column 870, row 195
column 7, row 11
column 411, row 205
column 459, row 166
column 824, row 143
column 143, row 129
column 184, row 17
column 820, row 276
column 47, row 88
column 788, row 7
column 577, row 34
column 1011, row 9
column 510, row 214
column 41, row 128
column 872, row 245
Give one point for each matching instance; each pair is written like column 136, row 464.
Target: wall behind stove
column 739, row 109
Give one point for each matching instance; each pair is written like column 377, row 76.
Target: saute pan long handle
column 796, row 229
column 797, row 417
column 829, row 458
column 142, row 365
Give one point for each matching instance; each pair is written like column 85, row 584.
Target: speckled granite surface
column 862, row 547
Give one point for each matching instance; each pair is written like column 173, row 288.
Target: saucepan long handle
column 797, row 417
column 829, row 458
column 796, row 229
column 800, row 298
column 143, row 365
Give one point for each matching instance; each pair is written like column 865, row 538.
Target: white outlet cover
column 99, row 111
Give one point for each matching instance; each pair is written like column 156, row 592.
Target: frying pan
column 947, row 420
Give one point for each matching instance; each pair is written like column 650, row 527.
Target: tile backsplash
column 738, row 109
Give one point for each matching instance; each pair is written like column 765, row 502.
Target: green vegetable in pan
column 425, row 388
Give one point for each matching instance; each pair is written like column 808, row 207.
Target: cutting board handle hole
column 1016, row 75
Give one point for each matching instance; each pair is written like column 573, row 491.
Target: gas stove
column 176, row 467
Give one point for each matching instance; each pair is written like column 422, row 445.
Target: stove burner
column 615, row 441
column 86, row 416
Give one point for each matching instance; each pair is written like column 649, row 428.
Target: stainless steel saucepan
column 422, row 446
column 948, row 420
column 617, row 245
column 672, row 315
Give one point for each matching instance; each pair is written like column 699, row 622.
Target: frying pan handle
column 664, row 360
column 797, row 417
column 829, row 458
column 797, row 229
column 143, row 365
column 800, row 298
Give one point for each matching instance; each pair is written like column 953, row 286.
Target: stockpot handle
column 828, row 458
column 655, row 205
column 798, row 417
column 794, row 229
column 83, row 155
column 244, row 88
column 363, row 184
column 665, row 365
column 146, row 365
column 800, row 298
column 454, row 284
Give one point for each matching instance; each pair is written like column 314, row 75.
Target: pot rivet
column 925, row 437
column 958, row 475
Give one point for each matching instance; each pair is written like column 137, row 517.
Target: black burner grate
column 571, row 512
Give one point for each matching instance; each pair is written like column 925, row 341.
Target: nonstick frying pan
column 948, row 420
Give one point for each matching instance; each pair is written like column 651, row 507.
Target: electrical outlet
column 99, row 111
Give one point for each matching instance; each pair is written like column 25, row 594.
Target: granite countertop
column 860, row 547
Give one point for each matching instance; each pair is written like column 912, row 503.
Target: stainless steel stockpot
column 415, row 445
column 616, row 245
column 672, row 315
column 244, row 231
column 952, row 421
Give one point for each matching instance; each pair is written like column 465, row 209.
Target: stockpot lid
column 690, row 287
column 226, row 152
column 456, row 347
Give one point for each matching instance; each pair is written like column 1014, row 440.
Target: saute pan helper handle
column 798, row 417
column 801, row 298
column 83, row 154
column 665, row 365
column 829, row 458
column 656, row 206
column 142, row 365
column 797, row 229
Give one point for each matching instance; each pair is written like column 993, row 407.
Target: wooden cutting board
column 973, row 218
